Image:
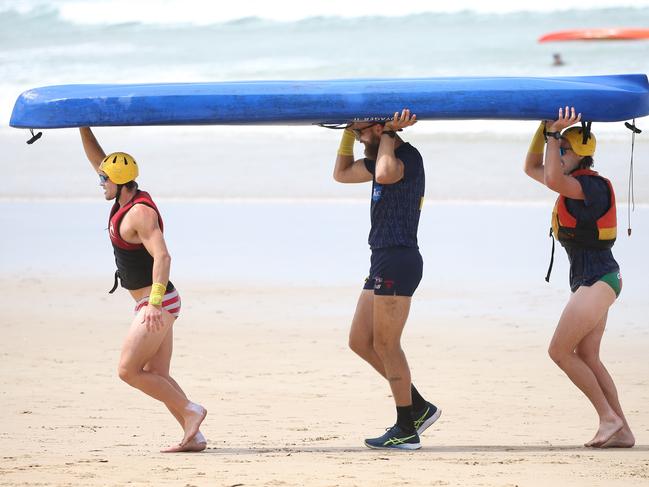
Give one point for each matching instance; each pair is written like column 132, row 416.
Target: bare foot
column 606, row 430
column 622, row 439
column 193, row 416
column 196, row 444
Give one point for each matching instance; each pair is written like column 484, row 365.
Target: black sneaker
column 426, row 417
column 395, row 438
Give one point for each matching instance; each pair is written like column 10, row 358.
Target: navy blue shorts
column 395, row 271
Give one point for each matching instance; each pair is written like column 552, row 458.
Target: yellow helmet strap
column 585, row 132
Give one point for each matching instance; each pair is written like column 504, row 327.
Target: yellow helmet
column 120, row 167
column 574, row 135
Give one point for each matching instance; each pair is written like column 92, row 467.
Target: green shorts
column 613, row 279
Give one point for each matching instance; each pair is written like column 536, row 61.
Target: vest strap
column 115, row 283
column 547, row 276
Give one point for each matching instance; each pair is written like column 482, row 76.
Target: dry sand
column 289, row 404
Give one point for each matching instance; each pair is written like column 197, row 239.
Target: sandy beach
column 268, row 293
column 269, row 286
column 289, row 404
column 269, row 254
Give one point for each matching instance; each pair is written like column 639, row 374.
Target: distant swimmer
column 557, row 60
column 584, row 221
column 143, row 264
column 396, row 171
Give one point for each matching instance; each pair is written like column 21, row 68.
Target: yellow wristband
column 538, row 141
column 347, row 143
column 157, row 292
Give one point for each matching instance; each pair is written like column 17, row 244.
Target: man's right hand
column 402, row 121
column 152, row 318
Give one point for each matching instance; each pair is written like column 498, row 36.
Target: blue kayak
column 598, row 98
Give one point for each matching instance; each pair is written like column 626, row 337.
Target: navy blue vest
column 395, row 208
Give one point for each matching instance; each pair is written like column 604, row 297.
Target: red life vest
column 118, row 213
column 599, row 234
column 134, row 263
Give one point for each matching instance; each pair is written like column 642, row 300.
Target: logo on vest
column 376, row 193
column 111, row 230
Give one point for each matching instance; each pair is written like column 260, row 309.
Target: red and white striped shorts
column 170, row 302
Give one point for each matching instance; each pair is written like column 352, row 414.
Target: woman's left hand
column 566, row 119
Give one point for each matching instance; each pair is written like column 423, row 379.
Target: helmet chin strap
column 585, row 132
column 119, row 192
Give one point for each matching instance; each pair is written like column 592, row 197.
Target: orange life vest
column 599, row 234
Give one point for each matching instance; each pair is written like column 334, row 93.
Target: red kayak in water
column 620, row 34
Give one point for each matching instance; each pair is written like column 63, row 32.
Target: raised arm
column 534, row 159
column 554, row 173
column 346, row 169
column 94, row 152
column 389, row 168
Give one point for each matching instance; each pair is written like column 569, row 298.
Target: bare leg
column 390, row 315
column 139, row 348
column 160, row 365
column 361, row 334
column 585, row 309
column 588, row 350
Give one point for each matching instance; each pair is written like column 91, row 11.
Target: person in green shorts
column 584, row 222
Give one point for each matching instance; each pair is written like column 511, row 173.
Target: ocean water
column 119, row 41
column 45, row 42
column 306, row 242
column 260, row 163
column 258, row 204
